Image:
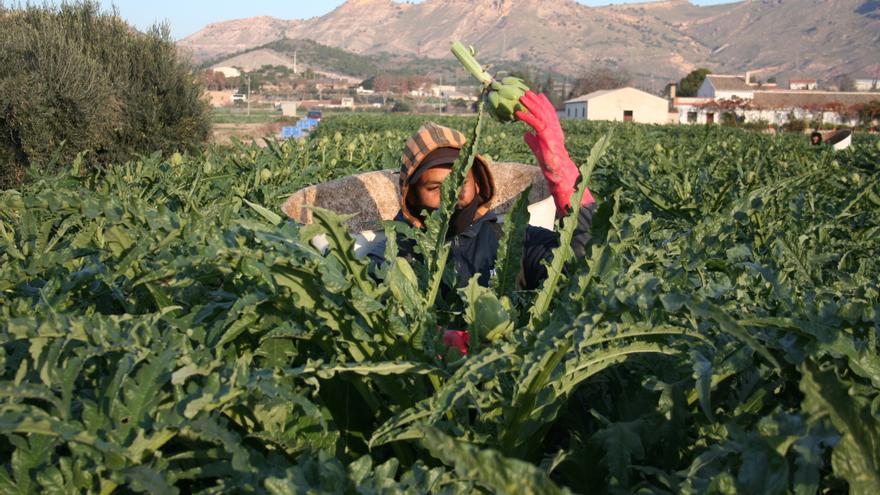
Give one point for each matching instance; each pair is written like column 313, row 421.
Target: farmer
column 474, row 231
column 816, row 138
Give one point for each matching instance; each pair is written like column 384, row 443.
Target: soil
column 223, row 133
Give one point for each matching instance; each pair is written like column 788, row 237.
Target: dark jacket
column 475, row 249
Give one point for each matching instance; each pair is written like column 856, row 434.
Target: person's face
column 427, row 190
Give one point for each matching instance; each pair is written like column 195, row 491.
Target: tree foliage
column 845, row 82
column 690, row 83
column 870, row 112
column 598, row 78
column 217, row 81
column 75, row 79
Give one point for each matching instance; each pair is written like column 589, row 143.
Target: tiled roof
column 729, row 83
column 602, row 92
column 811, row 99
column 590, row 96
column 690, row 100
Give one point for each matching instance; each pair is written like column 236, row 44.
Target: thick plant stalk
column 501, row 97
column 466, row 57
column 563, row 253
column 437, row 225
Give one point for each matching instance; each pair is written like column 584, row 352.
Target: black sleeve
column 405, row 249
column 539, row 244
column 376, row 255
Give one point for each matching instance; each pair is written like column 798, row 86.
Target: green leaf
column 489, row 467
column 264, row 212
column 508, row 264
column 728, row 324
column 146, row 480
column 404, row 285
column 563, row 253
column 486, row 316
column 435, row 247
column 703, row 377
column 621, row 445
column 856, row 457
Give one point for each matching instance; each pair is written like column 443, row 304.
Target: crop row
column 165, row 330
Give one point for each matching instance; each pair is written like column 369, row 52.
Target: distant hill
column 823, row 38
column 342, row 64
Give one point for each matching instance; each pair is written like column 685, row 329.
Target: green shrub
column 76, row 79
column 795, row 124
column 731, row 119
column 756, row 125
column 401, row 106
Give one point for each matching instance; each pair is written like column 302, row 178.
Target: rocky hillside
column 667, row 39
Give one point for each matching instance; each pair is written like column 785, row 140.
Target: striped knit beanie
column 428, row 139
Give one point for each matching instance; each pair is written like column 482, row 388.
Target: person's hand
column 458, row 339
column 548, row 144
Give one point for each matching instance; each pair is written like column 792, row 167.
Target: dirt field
column 223, row 133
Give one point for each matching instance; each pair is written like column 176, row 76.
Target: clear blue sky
column 186, row 17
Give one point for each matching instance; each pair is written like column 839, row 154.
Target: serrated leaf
column 489, row 467
column 264, row 212
column 856, row 457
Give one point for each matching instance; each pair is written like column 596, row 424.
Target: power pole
column 249, row 95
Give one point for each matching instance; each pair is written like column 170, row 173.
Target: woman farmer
column 474, row 231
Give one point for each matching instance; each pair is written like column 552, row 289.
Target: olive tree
column 78, row 80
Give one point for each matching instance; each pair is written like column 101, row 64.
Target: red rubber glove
column 548, row 144
column 458, row 339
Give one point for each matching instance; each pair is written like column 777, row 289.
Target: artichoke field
column 165, row 330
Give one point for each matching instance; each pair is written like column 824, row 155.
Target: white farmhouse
column 867, row 84
column 622, row 104
column 724, row 87
column 830, row 107
column 692, row 110
column 442, row 90
column 803, row 84
column 227, row 71
column 288, row 108
column 777, row 107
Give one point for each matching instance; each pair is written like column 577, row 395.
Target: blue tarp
column 307, row 123
column 290, row 132
column 296, row 131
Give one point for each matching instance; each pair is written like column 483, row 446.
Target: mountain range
column 806, row 38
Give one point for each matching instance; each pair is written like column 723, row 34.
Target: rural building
column 777, row 107
column 723, row 97
column 442, row 90
column 228, row 71
column 288, row 108
column 803, row 84
column 725, row 87
column 463, row 94
column 830, row 107
column 622, row 104
column 344, row 102
column 692, row 110
column 867, row 84
column 219, row 98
